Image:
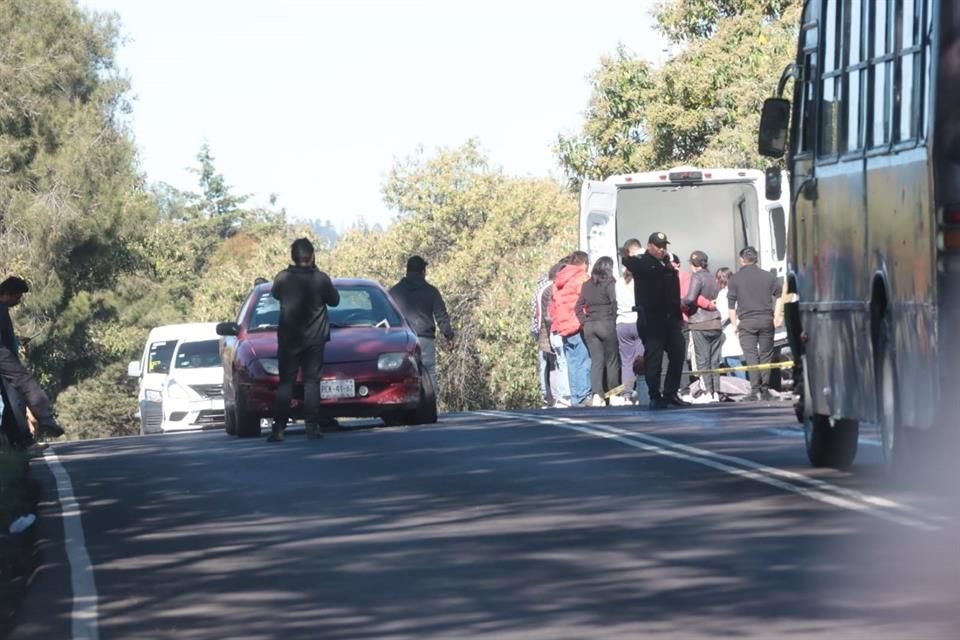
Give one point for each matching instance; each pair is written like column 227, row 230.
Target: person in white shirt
column 730, row 351
column 628, row 339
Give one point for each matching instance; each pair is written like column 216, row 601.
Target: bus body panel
column 864, row 246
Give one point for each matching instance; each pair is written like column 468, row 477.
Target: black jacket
column 598, row 302
column 304, row 294
column 421, row 303
column 7, row 336
column 657, row 288
column 753, row 292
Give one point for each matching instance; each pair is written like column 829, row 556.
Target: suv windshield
column 360, row 306
column 198, row 355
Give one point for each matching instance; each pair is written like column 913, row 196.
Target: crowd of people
column 603, row 336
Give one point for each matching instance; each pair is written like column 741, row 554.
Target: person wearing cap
column 704, row 324
column 659, row 323
column 751, row 295
column 423, row 307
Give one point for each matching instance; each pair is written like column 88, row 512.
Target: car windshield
column 360, row 306
column 198, row 355
column 159, row 356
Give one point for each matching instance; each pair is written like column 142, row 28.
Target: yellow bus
column 871, row 140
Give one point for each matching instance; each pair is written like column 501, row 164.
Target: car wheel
column 426, row 411
column 247, row 424
column 831, row 445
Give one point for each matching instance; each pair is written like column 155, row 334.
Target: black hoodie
column 304, row 294
column 420, row 303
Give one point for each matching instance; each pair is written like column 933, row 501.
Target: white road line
column 817, row 489
column 84, row 615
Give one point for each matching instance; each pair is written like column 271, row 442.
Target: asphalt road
column 593, row 523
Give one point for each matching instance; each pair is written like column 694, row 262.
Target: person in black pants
column 659, row 323
column 705, row 325
column 597, row 311
column 751, row 295
column 304, row 293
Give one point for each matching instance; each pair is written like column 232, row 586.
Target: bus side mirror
column 773, row 183
column 773, row 127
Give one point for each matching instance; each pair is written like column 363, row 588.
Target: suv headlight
column 270, row 366
column 152, row 395
column 391, row 361
column 177, row 391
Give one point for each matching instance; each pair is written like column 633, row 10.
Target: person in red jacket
column 564, row 322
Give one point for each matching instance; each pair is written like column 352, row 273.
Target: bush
column 100, row 407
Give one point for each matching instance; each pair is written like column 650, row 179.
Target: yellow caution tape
column 705, row 372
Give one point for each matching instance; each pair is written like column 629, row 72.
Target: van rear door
column 598, row 228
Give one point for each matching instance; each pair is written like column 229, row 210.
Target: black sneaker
column 675, row 401
column 658, row 403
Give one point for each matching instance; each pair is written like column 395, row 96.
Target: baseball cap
column 658, row 238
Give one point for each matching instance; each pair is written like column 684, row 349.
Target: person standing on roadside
column 304, row 293
column 565, row 323
column 13, row 372
column 751, row 296
column 545, row 360
column 704, row 324
column 659, row 323
column 423, row 307
column 597, row 311
column 628, row 339
column 559, row 376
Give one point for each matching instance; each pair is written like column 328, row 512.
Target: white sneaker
column 561, row 403
column 598, row 401
column 619, row 401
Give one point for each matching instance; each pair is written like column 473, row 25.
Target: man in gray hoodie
column 423, row 307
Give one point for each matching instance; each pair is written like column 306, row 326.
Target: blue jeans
column 559, row 380
column 578, row 367
column 544, row 376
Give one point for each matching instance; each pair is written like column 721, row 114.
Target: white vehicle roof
column 682, row 174
column 188, row 331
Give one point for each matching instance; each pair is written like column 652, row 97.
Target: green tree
column 487, row 237
column 701, row 107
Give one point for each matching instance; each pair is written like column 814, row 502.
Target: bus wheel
column 890, row 429
column 831, row 445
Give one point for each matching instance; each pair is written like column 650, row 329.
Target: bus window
column 830, row 87
column 856, row 76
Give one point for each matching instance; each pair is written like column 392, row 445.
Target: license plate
column 330, row 389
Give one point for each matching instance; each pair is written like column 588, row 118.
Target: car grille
column 151, row 415
column 208, row 390
column 210, row 416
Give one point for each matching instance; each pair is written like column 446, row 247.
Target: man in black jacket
column 304, row 293
column 659, row 323
column 14, row 374
column 751, row 295
column 423, row 307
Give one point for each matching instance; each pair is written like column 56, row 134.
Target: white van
column 181, row 378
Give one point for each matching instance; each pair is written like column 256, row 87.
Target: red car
column 372, row 365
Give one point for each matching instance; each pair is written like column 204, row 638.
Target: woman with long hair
column 597, row 311
column 730, row 346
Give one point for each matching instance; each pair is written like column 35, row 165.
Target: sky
column 315, row 100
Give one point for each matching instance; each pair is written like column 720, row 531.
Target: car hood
column 205, row 375
column 351, row 344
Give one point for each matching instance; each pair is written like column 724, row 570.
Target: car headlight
column 175, row 390
column 391, row 361
column 270, row 366
column 152, row 395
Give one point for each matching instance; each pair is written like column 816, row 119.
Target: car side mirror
column 772, row 183
column 228, row 329
column 133, row 369
column 774, row 120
